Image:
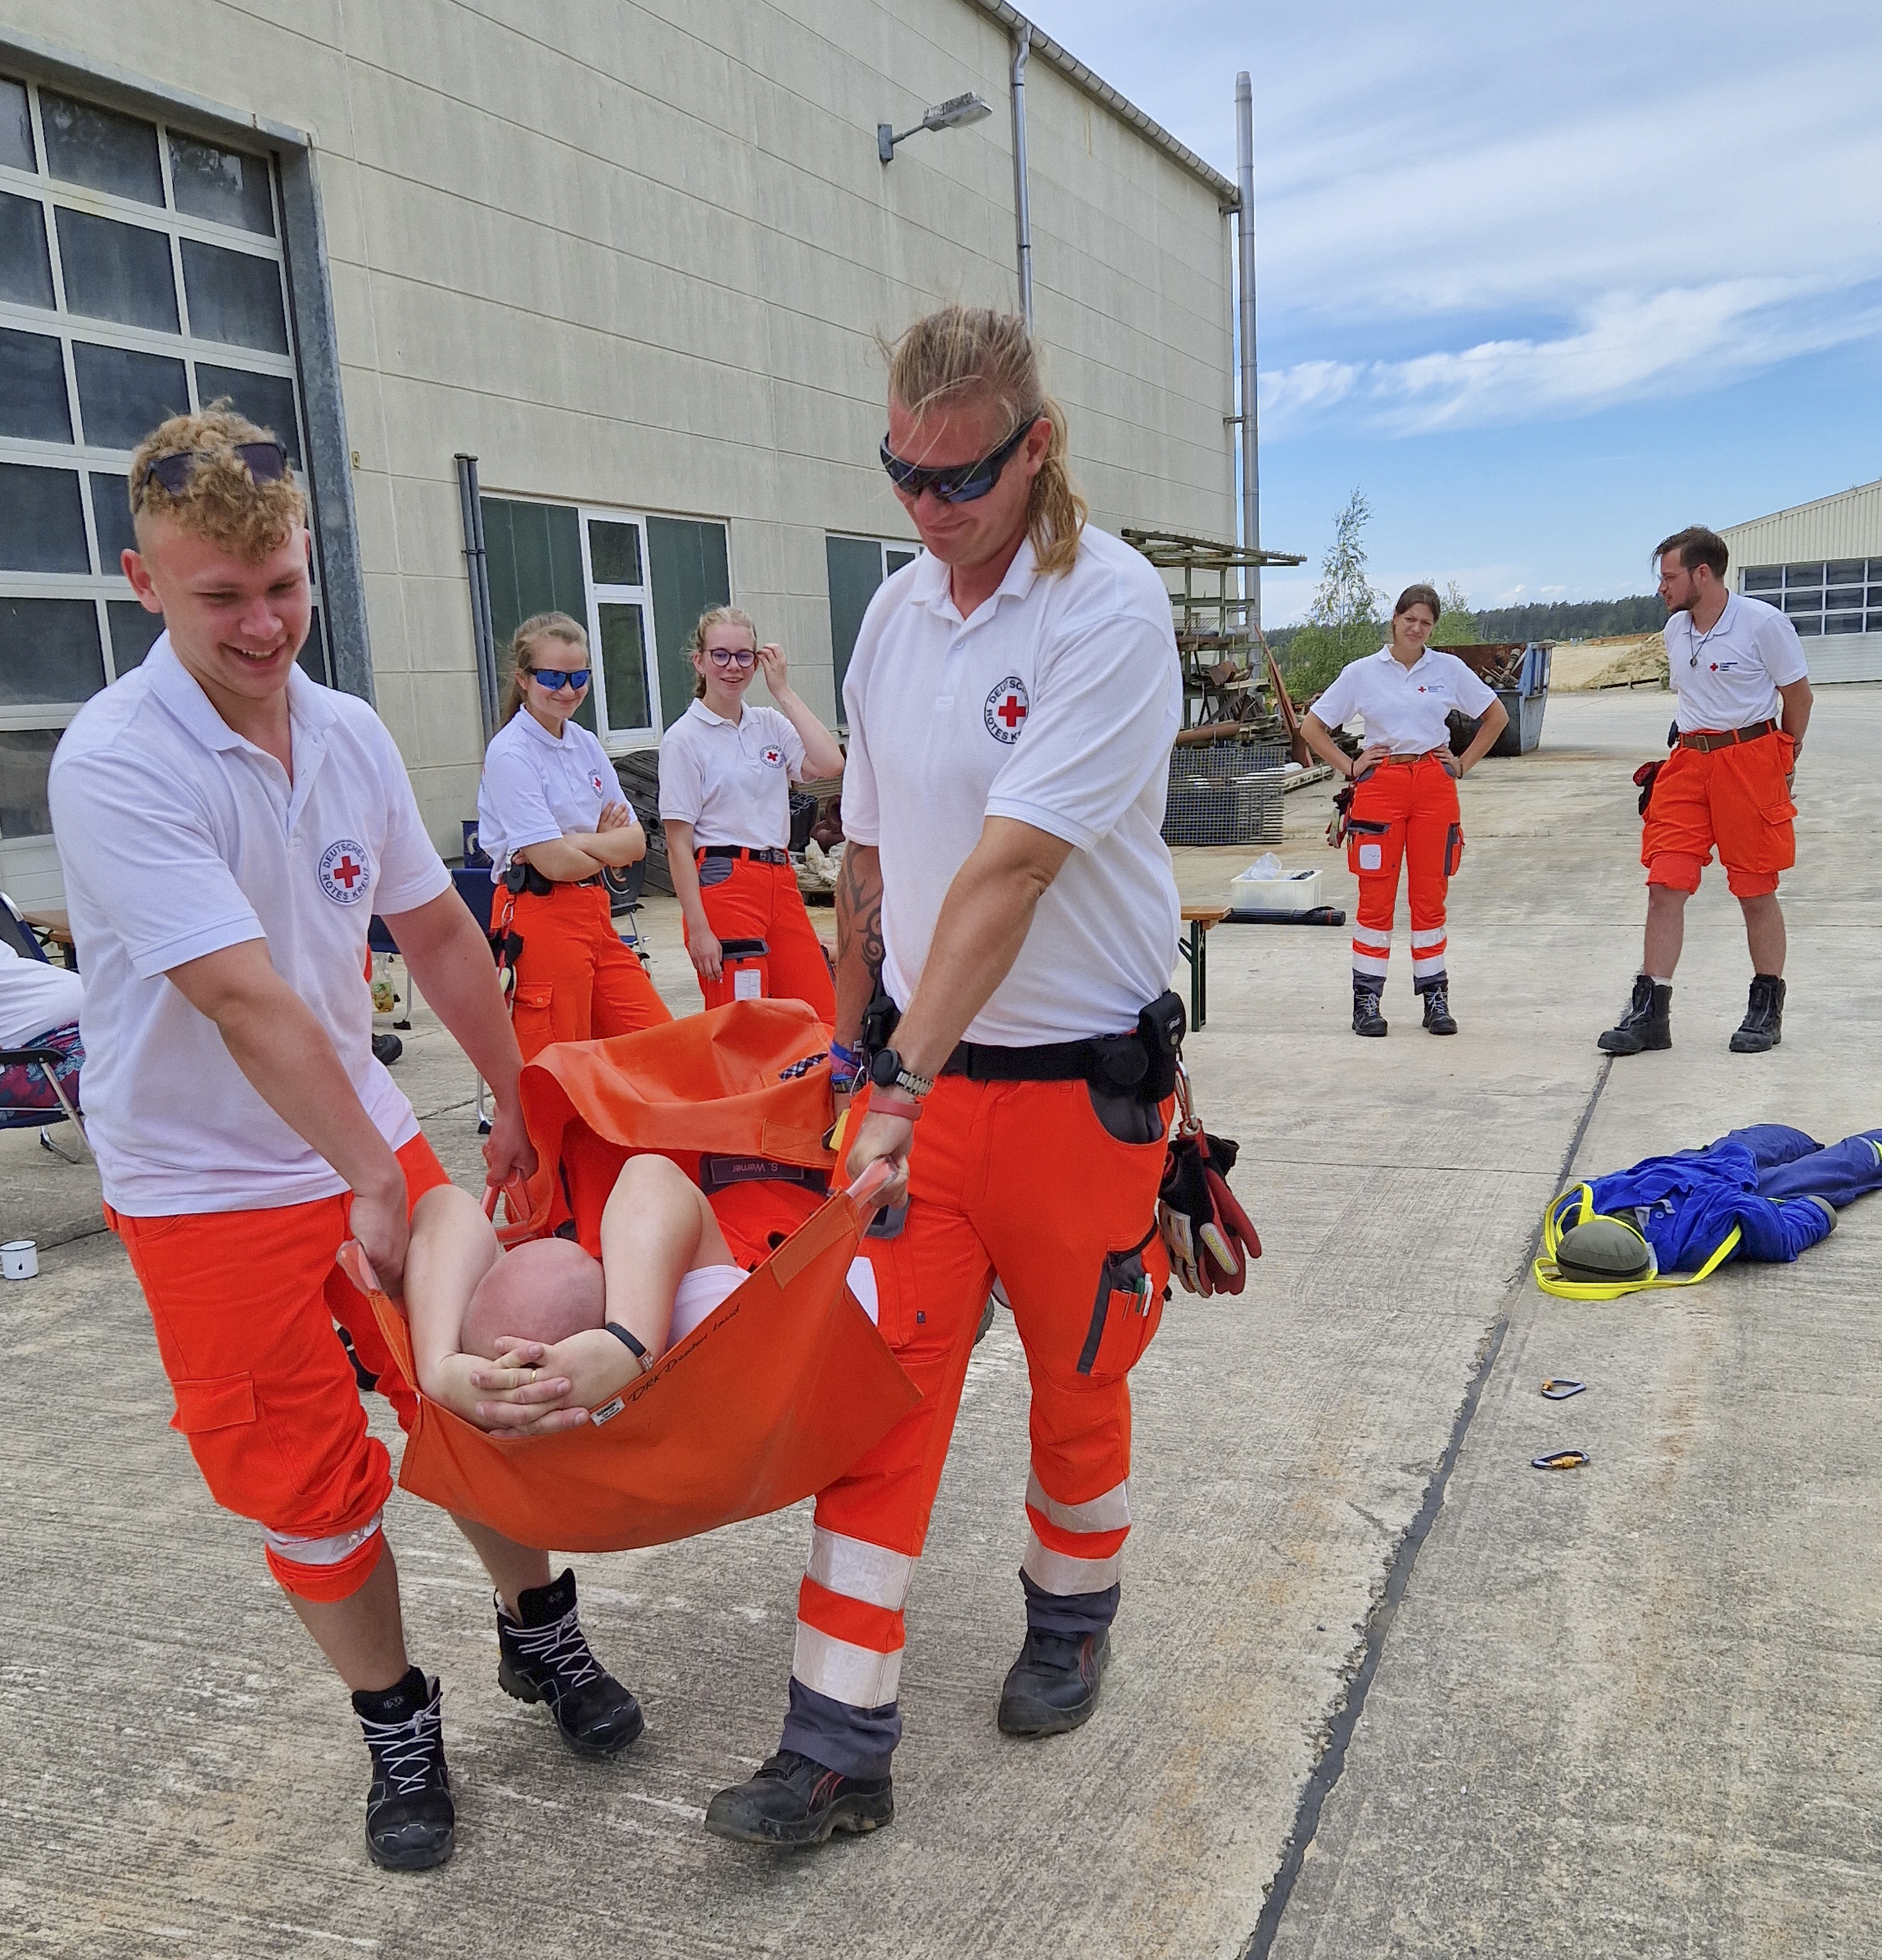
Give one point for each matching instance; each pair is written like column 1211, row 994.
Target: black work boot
column 411, row 1822
column 793, row 1801
column 1646, row 1024
column 545, row 1657
column 1367, row 1017
column 1437, row 1011
column 1054, row 1684
column 1763, row 1025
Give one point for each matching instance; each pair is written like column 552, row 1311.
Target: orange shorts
column 1736, row 798
column 244, row 1304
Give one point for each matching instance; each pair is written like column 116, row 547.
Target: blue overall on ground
column 1761, row 1180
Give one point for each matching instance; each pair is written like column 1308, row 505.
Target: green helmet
column 1603, row 1251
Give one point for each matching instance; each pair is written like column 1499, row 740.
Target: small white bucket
column 19, row 1260
column 1288, row 891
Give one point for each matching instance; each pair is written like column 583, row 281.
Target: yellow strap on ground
column 1548, row 1275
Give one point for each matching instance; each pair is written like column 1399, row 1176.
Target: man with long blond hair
column 1007, row 922
column 227, row 827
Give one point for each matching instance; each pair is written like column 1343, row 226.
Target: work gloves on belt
column 1210, row 1237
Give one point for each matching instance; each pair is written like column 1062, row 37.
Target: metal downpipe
column 1022, row 202
column 469, row 497
column 1250, row 421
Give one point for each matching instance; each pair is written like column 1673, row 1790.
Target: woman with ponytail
column 550, row 814
column 726, row 769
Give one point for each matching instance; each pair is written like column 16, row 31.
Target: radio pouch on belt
column 1161, row 1027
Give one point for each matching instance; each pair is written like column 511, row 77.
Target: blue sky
column 1545, row 284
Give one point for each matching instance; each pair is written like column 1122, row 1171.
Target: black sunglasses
column 556, row 678
column 266, row 462
column 955, row 483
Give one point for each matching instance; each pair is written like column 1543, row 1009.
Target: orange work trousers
column 244, row 1305
column 746, row 900
column 575, row 980
column 1404, row 810
column 1736, row 797
column 1023, row 1179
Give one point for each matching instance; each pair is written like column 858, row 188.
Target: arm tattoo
column 859, row 915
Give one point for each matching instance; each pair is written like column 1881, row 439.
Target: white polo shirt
column 536, row 788
column 179, row 838
column 1054, row 703
column 731, row 780
column 1404, row 706
column 1729, row 678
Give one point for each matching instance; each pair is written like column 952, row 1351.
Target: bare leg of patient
column 657, row 1227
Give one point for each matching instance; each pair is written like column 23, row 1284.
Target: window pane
column 122, row 395
column 533, row 556
column 312, row 657
column 227, row 186
column 33, row 388
column 134, row 632
column 234, row 296
column 1763, row 577
column 614, row 552
column 1843, row 621
column 1807, row 624
column 87, row 144
column 686, row 565
column 16, row 126
column 116, row 271
column 1844, row 572
column 1811, row 600
column 48, row 651
column 895, row 558
column 110, row 516
column 26, row 274
column 855, row 569
column 265, row 399
column 624, row 666
column 25, row 754
column 1802, row 575
column 42, row 520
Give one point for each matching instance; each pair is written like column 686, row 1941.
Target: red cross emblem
column 344, row 875
column 1006, row 710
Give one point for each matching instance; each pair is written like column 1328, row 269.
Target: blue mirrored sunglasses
column 556, row 678
column 955, row 483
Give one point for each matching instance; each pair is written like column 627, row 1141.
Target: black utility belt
column 741, row 851
column 1142, row 1063
column 526, row 878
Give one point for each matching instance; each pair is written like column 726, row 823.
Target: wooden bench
column 52, row 926
column 1199, row 918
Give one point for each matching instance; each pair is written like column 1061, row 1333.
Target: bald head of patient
column 544, row 1290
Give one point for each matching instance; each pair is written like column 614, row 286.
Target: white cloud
column 1626, row 346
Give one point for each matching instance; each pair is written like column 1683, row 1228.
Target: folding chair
column 16, row 933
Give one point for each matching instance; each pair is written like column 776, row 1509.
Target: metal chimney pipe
column 1244, row 266
column 1022, row 202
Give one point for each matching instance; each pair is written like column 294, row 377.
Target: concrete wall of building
column 1846, row 526
column 646, row 265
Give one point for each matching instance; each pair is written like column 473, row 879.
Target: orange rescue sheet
column 780, row 1391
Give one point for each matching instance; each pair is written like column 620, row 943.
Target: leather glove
column 1210, row 1237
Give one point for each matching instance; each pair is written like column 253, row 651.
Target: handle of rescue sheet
column 862, row 1193
column 354, row 1264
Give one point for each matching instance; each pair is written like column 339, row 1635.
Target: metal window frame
column 619, row 741
column 326, row 453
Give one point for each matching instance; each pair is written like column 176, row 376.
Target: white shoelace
column 406, row 1751
column 560, row 1648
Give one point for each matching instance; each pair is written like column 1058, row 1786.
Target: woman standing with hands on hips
column 1404, row 796
column 726, row 770
column 550, row 814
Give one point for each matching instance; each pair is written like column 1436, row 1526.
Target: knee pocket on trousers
column 1365, row 846
column 533, row 1013
column 1453, row 849
column 1125, row 1313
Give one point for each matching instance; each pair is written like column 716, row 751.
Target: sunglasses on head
column 739, row 657
column 955, row 483
column 556, row 678
column 266, row 462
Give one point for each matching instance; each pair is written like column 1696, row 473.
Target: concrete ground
column 1625, row 1711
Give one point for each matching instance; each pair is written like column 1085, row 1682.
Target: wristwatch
column 886, row 1071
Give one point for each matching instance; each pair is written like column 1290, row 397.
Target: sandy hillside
column 1582, row 664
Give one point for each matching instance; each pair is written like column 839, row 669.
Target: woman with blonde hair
column 1405, row 797
column 726, row 768
column 550, row 814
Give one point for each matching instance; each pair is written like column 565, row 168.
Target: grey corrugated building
column 633, row 257
column 1821, row 562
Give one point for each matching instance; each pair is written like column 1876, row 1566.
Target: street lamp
column 944, row 115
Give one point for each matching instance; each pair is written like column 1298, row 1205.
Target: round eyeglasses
column 742, row 658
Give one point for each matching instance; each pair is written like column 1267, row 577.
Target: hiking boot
column 793, row 1801
column 411, row 1821
column 545, row 1657
column 1763, row 1025
column 1646, row 1024
column 1054, row 1684
column 1437, row 1011
column 1367, row 1017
